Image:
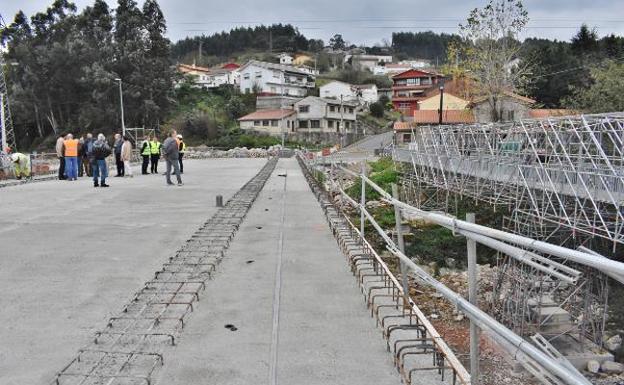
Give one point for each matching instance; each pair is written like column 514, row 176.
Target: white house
column 363, row 94
column 209, row 77
column 285, row 58
column 275, row 79
column 199, row 74
column 368, row 62
column 337, row 89
column 315, row 114
column 272, row 122
column 367, row 93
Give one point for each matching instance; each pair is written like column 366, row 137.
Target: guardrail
column 549, row 368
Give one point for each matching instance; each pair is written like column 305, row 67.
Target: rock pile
column 204, row 152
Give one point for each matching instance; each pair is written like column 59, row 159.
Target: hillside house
column 200, row 75
column 367, row 62
column 302, row 59
column 364, row 94
column 315, row 114
column 409, row 88
column 274, row 79
column 273, row 122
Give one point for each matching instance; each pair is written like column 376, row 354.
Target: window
column 304, row 108
column 413, row 81
column 350, row 110
column 288, row 123
column 404, row 106
column 407, row 138
column 258, row 74
column 315, row 124
column 246, row 76
column 347, row 124
column 303, row 124
column 330, row 124
column 332, row 108
column 426, row 81
column 273, row 123
column 256, row 122
column 265, row 123
column 510, row 115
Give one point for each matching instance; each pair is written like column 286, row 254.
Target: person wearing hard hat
column 21, row 163
column 181, row 150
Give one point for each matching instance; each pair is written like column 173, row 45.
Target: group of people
column 88, row 156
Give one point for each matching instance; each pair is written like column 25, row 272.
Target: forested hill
column 278, row 37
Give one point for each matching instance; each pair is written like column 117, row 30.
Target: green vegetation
column 383, row 174
column 605, row 92
column 220, row 47
column 63, row 65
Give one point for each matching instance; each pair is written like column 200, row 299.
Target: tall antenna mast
column 7, row 135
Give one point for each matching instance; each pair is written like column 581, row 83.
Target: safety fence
column 132, row 346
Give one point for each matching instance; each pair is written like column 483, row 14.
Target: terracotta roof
column 448, row 117
column 188, row 68
column 405, row 74
column 541, row 113
column 230, row 66
column 268, row 114
column 402, row 126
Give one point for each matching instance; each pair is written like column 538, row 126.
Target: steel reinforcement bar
column 413, row 341
column 131, row 347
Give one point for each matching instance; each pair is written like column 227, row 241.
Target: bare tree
column 492, row 46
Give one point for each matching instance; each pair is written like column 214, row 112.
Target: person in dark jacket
column 101, row 150
column 117, row 150
column 87, row 160
column 181, row 150
column 171, row 152
column 146, row 153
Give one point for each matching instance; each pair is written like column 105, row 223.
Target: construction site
column 242, row 276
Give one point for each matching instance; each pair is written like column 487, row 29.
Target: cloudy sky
column 361, row 21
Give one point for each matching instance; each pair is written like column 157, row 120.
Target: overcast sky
column 360, row 21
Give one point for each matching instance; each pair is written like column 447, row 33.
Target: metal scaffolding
column 561, row 180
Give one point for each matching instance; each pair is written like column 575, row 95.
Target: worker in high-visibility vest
column 146, row 153
column 155, row 155
column 21, row 163
column 71, row 157
column 182, row 150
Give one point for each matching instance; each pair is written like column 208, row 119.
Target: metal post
column 401, row 243
column 123, row 124
column 3, row 122
column 472, row 297
column 363, row 199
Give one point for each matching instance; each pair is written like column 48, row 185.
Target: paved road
column 71, row 255
column 325, row 335
column 74, row 255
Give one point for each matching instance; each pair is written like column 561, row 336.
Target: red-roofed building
column 272, row 122
column 230, row 66
column 403, row 130
column 409, row 87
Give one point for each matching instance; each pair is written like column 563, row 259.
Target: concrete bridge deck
column 72, row 256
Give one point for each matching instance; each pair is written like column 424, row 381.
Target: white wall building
column 276, row 79
column 272, row 122
column 316, row 114
column 210, row 78
column 363, row 94
column 368, row 62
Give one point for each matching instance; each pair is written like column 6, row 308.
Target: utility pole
column 199, row 57
column 3, row 122
column 441, row 103
column 123, row 124
column 270, row 40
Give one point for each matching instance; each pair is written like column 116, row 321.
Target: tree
column 337, row 42
column 377, row 109
column 585, row 41
column 491, row 36
column 605, row 94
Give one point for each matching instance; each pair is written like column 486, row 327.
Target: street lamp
column 123, row 124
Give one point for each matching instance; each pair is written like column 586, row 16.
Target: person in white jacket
column 126, row 155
